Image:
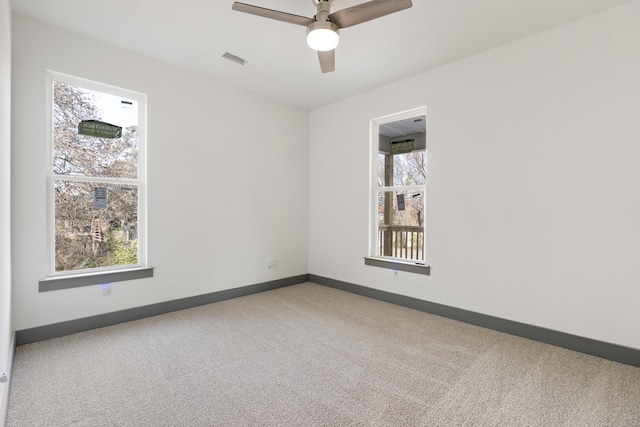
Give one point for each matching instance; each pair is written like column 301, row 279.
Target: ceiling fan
column 323, row 29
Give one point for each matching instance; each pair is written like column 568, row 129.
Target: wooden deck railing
column 401, row 241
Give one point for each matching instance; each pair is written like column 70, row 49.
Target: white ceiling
column 404, row 127
column 195, row 33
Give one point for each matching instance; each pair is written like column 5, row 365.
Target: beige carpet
column 308, row 355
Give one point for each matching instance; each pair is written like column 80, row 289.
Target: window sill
column 410, row 267
column 99, row 278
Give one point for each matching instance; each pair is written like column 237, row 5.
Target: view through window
column 96, row 176
column 400, row 178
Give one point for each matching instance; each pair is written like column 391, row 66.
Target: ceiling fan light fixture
column 323, row 36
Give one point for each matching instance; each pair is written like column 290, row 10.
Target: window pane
column 402, row 169
column 75, row 154
column 401, row 224
column 410, row 168
column 96, row 225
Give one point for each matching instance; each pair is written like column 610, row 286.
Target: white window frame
column 373, row 258
column 101, row 275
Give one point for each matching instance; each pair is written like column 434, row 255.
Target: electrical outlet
column 106, row 289
column 396, row 274
column 272, row 264
column 3, row 377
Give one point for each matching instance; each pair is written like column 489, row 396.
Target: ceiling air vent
column 234, row 58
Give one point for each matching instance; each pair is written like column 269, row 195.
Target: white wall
column 235, row 161
column 5, row 198
column 533, row 194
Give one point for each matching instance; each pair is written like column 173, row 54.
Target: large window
column 399, row 180
column 96, row 177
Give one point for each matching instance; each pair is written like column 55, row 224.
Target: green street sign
column 401, row 147
column 99, row 129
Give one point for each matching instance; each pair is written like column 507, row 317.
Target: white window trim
column 373, row 258
column 65, row 279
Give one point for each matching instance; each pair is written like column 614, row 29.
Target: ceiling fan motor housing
column 315, row 2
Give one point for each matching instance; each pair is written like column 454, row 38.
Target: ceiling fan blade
column 367, row 11
column 272, row 14
column 327, row 60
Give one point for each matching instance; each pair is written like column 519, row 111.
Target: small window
column 96, row 177
column 399, row 181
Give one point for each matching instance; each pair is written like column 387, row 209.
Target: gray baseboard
column 41, row 333
column 617, row 353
